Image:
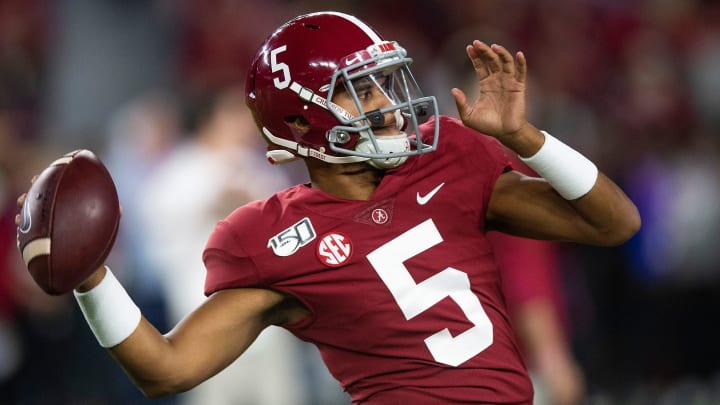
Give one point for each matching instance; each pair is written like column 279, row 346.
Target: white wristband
column 109, row 311
column 570, row 173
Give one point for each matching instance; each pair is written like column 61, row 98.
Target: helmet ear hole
column 298, row 124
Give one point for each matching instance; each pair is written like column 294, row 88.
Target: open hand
column 499, row 109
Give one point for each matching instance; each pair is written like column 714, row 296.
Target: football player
column 381, row 260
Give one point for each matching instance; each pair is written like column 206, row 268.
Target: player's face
column 373, row 93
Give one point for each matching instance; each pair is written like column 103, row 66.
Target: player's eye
column 364, row 93
column 365, row 87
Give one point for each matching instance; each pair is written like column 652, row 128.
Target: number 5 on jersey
column 415, row 298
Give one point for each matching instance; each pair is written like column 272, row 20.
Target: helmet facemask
column 382, row 68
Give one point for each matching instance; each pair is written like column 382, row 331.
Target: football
column 68, row 222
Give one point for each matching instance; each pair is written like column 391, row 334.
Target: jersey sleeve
column 484, row 156
column 227, row 262
column 494, row 161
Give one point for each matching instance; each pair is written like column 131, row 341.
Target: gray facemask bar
column 398, row 64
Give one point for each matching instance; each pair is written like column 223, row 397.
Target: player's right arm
column 201, row 345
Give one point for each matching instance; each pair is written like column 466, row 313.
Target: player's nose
column 393, row 119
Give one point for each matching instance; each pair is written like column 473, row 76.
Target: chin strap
column 284, row 156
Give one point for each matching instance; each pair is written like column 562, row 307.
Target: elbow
column 622, row 230
column 159, row 389
column 635, row 225
column 155, row 393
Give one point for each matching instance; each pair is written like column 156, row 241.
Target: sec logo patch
column 334, row 249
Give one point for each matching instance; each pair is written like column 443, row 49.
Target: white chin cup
column 387, row 144
column 400, row 121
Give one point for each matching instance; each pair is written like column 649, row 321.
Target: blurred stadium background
column 635, row 84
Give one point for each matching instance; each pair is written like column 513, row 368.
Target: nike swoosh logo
column 423, row 199
column 351, row 61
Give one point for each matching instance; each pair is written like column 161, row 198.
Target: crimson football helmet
column 308, row 60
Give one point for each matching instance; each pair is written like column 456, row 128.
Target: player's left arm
column 573, row 201
column 531, row 207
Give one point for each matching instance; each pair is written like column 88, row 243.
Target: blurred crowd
column 155, row 88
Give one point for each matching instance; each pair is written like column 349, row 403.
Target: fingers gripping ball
column 69, row 222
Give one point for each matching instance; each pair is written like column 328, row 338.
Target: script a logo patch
column 334, row 249
column 293, row 238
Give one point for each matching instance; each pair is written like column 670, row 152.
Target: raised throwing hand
column 500, row 107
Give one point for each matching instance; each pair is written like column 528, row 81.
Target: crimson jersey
column 403, row 290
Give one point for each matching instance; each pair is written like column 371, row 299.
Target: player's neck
column 356, row 181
